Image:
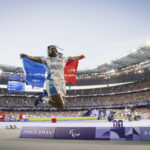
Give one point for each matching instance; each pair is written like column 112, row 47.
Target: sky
column 101, row 30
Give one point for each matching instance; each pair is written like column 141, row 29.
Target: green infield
column 63, row 118
column 68, row 118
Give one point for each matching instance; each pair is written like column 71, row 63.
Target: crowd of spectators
column 115, row 78
column 18, row 101
column 85, row 98
column 112, row 89
column 93, row 100
column 110, row 100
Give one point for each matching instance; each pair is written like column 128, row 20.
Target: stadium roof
column 8, row 68
column 136, row 56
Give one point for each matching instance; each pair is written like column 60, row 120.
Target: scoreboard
column 15, row 86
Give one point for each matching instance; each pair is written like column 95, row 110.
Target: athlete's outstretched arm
column 39, row 60
column 70, row 59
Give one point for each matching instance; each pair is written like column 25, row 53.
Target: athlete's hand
column 23, row 55
column 82, row 56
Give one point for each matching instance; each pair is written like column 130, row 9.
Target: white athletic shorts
column 54, row 87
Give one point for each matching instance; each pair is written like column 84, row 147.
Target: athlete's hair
column 48, row 48
column 55, row 46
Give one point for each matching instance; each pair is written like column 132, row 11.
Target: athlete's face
column 52, row 52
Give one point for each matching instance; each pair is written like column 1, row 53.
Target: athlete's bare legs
column 57, row 101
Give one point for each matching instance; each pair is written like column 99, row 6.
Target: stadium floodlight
column 109, row 62
column 134, row 50
column 112, row 71
column 1, row 71
column 147, row 44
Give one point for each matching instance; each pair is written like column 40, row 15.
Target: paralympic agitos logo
column 74, row 133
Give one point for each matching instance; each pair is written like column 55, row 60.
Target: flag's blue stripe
column 35, row 72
